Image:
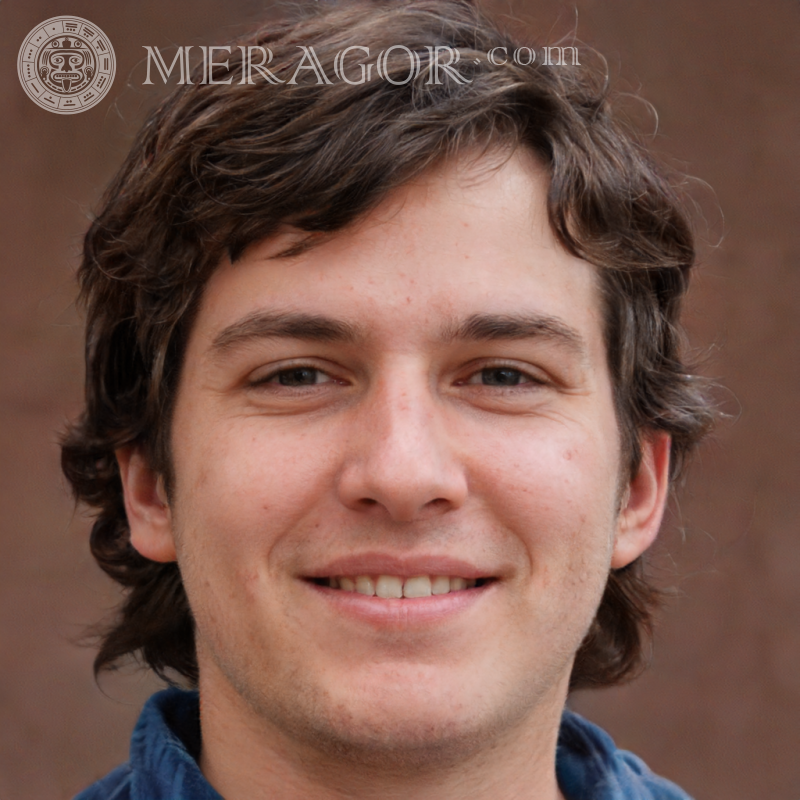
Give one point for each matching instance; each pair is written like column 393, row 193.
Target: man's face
column 419, row 398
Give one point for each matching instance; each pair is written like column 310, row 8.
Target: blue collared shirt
column 166, row 742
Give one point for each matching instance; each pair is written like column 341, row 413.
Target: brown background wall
column 719, row 712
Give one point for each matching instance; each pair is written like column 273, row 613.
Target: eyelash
column 271, row 378
column 528, row 379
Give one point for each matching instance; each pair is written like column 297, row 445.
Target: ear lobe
column 146, row 506
column 643, row 505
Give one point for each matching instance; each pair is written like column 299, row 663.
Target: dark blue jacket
column 166, row 743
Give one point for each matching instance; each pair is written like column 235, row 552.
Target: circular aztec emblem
column 66, row 65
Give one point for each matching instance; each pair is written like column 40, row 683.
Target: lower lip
column 402, row 613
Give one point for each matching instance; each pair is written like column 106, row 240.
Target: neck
column 246, row 757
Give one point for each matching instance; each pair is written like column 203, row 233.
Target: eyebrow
column 318, row 328
column 491, row 327
column 267, row 325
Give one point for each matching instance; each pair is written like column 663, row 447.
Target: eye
column 501, row 376
column 298, row 376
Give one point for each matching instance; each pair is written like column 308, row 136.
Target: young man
column 384, row 398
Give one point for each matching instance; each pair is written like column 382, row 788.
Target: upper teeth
column 392, row 586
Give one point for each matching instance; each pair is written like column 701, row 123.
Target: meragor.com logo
column 66, row 65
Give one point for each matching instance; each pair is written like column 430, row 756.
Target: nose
column 400, row 461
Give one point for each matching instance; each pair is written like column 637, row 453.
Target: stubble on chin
column 329, row 734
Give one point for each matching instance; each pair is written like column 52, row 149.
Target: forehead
column 469, row 238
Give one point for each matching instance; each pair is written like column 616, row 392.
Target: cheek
column 553, row 496
column 244, row 485
column 556, row 489
column 243, row 496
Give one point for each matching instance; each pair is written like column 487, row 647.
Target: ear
column 644, row 501
column 146, row 505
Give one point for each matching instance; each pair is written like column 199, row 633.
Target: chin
column 406, row 740
column 404, row 724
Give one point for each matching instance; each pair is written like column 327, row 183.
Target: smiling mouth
column 393, row 587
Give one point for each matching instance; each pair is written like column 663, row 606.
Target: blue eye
column 299, row 376
column 502, row 376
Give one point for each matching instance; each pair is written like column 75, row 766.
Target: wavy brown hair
column 218, row 166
